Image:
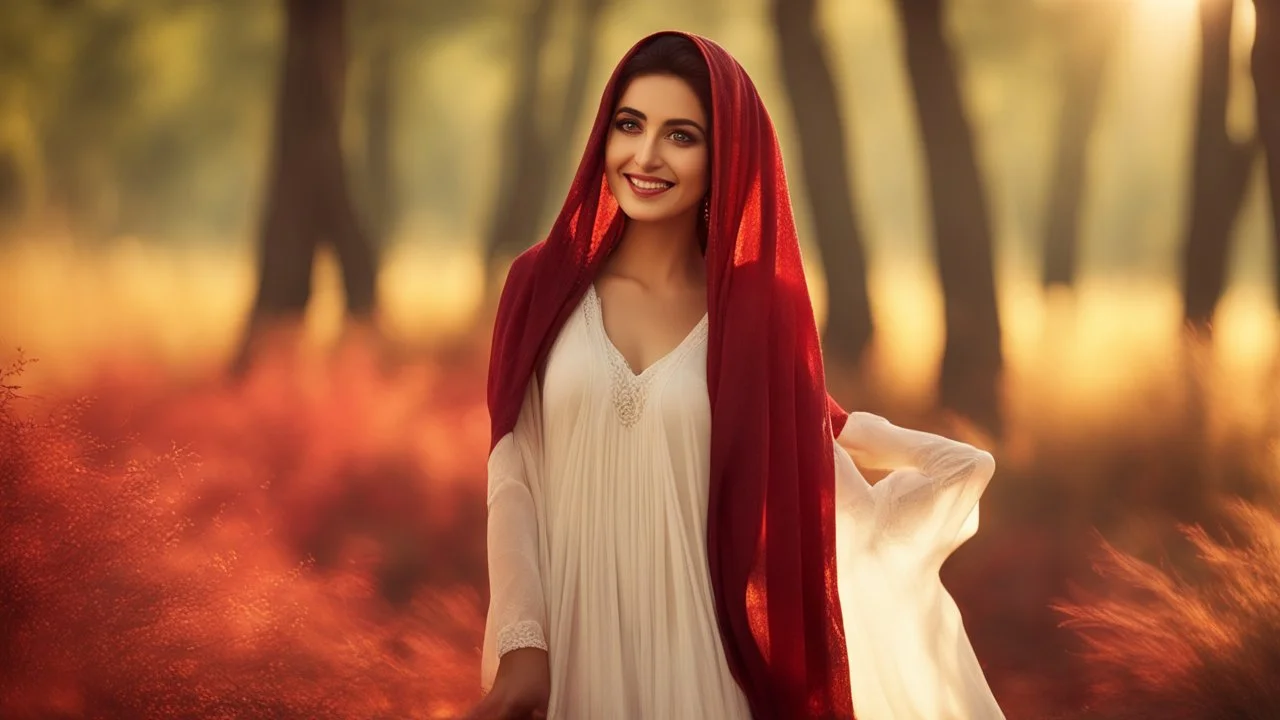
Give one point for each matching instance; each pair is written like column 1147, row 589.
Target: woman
column 664, row 483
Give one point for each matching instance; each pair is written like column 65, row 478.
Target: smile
column 647, row 187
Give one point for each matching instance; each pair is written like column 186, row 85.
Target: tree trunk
column 307, row 199
column 972, row 358
column 827, row 180
column 1220, row 172
column 521, row 180
column 1266, row 82
column 382, row 205
column 559, row 136
column 1091, row 31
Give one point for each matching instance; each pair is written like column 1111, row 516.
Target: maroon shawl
column 771, row 514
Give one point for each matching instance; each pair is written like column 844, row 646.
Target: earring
column 706, row 209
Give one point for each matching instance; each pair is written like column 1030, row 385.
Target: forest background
column 249, row 252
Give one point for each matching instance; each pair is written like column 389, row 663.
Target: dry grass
column 1204, row 643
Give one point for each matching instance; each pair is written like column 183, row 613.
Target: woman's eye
column 683, row 138
column 627, row 125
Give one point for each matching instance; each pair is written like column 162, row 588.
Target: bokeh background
column 249, row 252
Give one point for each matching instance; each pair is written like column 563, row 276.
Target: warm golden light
column 1083, row 355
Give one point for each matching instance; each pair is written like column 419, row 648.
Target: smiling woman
column 657, row 400
column 650, row 154
column 656, row 165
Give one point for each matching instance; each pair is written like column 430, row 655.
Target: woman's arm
column 515, row 667
column 517, row 605
column 931, row 497
column 517, row 613
column 878, row 444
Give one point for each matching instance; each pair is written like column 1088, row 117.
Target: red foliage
column 309, row 542
column 143, row 578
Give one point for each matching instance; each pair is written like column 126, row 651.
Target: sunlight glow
column 1108, row 346
column 1241, row 114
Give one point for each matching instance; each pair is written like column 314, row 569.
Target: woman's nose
column 647, row 155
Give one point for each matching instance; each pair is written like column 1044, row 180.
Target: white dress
column 597, row 546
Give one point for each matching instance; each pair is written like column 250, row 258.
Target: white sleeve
column 517, row 616
column 930, row 499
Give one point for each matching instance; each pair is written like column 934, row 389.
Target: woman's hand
column 521, row 689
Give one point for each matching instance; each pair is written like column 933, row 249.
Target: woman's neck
column 660, row 254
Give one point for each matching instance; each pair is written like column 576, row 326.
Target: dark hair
column 671, row 55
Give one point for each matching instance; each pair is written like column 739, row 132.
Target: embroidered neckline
column 629, row 389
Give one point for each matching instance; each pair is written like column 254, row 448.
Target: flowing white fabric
column 597, row 546
column 909, row 655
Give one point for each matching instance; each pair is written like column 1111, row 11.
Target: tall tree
column 518, row 202
column 1265, row 63
column 972, row 358
column 82, row 138
column 1220, row 172
column 1089, row 31
column 828, row 183
column 307, row 199
column 535, row 149
column 586, row 32
column 382, row 206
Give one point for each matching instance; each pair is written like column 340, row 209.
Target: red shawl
column 771, row 514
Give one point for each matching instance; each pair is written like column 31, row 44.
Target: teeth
column 647, row 185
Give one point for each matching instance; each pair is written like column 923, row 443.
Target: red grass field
column 308, row 542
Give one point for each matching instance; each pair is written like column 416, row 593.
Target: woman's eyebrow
column 670, row 123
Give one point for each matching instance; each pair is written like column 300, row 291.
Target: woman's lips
column 648, row 187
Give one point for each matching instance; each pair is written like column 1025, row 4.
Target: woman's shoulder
column 524, row 263
column 519, row 274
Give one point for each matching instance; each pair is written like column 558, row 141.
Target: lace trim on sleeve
column 523, row 634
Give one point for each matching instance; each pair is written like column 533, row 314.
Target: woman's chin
column 640, row 212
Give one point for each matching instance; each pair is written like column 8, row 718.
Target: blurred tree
column 534, row 149
column 1220, row 172
column 519, row 198
column 1265, row 63
column 1088, row 32
column 190, row 162
column 393, row 121
column 12, row 199
column 972, row 359
column 828, row 184
column 21, row 161
column 307, row 199
column 384, row 45
column 130, row 118
column 86, row 108
column 586, row 31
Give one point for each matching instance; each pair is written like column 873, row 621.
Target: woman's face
column 656, row 154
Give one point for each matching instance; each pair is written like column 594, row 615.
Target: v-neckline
column 619, row 357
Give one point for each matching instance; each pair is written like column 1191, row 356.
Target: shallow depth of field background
column 193, row 524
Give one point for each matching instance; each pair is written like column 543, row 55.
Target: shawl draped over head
column 771, row 522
